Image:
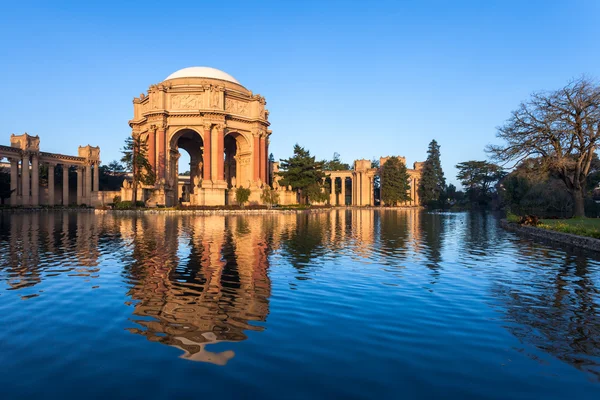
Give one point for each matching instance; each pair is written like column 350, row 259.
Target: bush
column 127, row 205
column 116, row 199
column 242, row 195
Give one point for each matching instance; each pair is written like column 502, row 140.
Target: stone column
column 162, row 153
column 96, row 187
column 332, row 192
column 343, row 193
column 263, row 159
column 14, row 180
column 35, row 180
column 256, row 157
column 206, row 159
column 88, row 185
column 25, row 183
column 65, row 187
column 50, row 184
column 79, row 185
column 152, row 148
column 220, row 134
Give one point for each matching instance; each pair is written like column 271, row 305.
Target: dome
column 202, row 72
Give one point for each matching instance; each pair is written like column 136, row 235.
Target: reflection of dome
column 202, row 72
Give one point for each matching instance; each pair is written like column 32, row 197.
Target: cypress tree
column 432, row 184
column 395, row 186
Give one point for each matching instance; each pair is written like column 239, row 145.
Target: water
column 340, row 304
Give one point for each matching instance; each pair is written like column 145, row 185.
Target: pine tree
column 301, row 170
column 395, row 186
column 432, row 183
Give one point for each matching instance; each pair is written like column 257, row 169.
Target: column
column 96, row 187
column 268, row 177
column 79, row 185
column 65, row 187
column 162, row 153
column 214, row 154
column 263, row 159
column 343, row 193
column 332, row 192
column 220, row 152
column 206, row 160
column 152, row 149
column 256, row 155
column 14, row 180
column 35, row 180
column 25, row 184
column 50, row 184
column 88, row 185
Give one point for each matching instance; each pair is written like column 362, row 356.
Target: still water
column 335, row 304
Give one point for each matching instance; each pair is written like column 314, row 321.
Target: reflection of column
column 96, row 187
column 256, row 156
column 35, row 180
column 343, row 193
column 79, row 185
column 65, row 187
column 14, row 178
column 25, row 184
column 206, row 153
column 220, row 151
column 50, row 184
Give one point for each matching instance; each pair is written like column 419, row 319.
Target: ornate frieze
column 186, row 101
column 235, row 106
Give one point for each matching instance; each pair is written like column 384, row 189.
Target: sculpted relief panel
column 186, row 101
column 237, row 107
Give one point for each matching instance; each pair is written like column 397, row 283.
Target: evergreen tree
column 301, row 171
column 432, row 183
column 135, row 158
column 395, row 186
column 242, row 195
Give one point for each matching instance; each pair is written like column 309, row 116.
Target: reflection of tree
column 556, row 311
column 432, row 231
column 200, row 287
column 393, row 233
column 304, row 243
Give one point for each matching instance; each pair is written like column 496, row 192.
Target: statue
column 233, row 182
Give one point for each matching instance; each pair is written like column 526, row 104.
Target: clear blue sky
column 359, row 78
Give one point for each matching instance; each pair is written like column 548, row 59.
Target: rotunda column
column 96, row 187
column 79, row 185
column 256, row 156
column 220, row 135
column 343, row 193
column 206, row 156
column 88, row 185
column 263, row 159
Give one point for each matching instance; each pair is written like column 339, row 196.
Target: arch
column 236, row 155
column 192, row 142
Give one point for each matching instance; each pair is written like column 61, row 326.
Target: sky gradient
column 361, row 79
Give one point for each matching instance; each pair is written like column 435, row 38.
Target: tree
column 135, row 158
column 242, row 195
column 395, row 186
column 301, row 171
column 269, row 196
column 561, row 127
column 335, row 164
column 432, row 182
column 315, row 193
column 115, row 167
column 479, row 178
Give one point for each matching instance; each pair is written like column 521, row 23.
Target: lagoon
column 347, row 303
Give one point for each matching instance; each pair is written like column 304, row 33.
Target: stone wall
column 553, row 236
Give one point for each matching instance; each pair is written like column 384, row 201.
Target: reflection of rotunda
column 221, row 124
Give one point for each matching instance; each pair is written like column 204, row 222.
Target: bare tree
column 562, row 128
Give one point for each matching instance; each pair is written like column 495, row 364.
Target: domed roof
column 202, row 72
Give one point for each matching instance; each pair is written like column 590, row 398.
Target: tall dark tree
column 395, row 186
column 135, row 158
column 301, row 171
column 115, row 167
column 560, row 127
column 432, row 183
column 479, row 179
column 335, row 164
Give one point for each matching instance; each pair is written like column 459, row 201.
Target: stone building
column 221, row 124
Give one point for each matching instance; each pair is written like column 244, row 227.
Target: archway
column 190, row 141
column 237, row 159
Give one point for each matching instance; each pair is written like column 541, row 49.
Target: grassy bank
column 589, row 227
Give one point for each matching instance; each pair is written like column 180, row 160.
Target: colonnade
column 25, row 161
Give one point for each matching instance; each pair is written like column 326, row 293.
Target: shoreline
column 215, row 211
column 582, row 242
